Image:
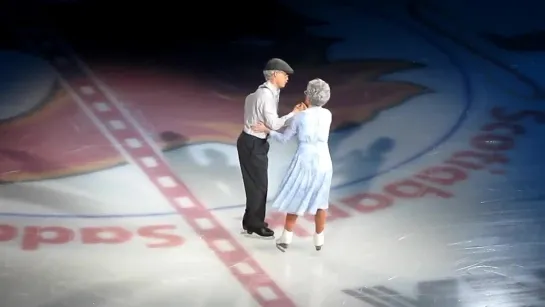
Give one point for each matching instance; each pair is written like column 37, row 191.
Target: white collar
column 272, row 87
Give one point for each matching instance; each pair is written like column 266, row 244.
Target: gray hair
column 268, row 74
column 318, row 92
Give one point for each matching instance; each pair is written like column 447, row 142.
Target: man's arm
column 290, row 131
column 270, row 113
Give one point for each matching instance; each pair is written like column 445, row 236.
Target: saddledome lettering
column 33, row 238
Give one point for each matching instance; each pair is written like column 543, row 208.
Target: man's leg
column 263, row 166
column 244, row 153
column 253, row 161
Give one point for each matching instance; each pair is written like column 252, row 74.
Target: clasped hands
column 301, row 106
column 260, row 127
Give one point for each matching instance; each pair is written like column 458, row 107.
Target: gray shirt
column 262, row 106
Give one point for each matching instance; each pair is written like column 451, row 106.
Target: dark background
column 205, row 35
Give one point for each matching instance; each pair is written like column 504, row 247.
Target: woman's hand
column 260, row 127
column 299, row 107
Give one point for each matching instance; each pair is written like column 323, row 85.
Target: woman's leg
column 319, row 220
column 291, row 219
column 285, row 240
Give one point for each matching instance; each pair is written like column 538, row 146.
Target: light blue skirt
column 307, row 183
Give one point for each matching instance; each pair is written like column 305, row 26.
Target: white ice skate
column 284, row 241
column 318, row 240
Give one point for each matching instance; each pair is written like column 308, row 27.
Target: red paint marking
column 35, row 237
column 444, row 175
column 480, row 159
column 105, row 235
column 191, row 210
column 368, row 202
column 156, row 232
column 7, row 233
column 410, row 188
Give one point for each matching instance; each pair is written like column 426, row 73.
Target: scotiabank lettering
column 486, row 152
column 35, row 237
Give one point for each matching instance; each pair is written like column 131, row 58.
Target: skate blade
column 256, row 236
column 281, row 247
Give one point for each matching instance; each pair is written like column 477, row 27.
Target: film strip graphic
column 132, row 142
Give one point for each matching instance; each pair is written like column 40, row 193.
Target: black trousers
column 254, row 163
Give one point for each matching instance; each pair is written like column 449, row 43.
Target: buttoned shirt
column 262, row 106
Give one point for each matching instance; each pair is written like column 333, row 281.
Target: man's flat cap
column 278, row 64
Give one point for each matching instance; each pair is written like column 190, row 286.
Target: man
column 252, row 147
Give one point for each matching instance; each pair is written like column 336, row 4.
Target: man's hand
column 260, row 127
column 299, row 107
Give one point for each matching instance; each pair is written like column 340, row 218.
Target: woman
column 305, row 188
